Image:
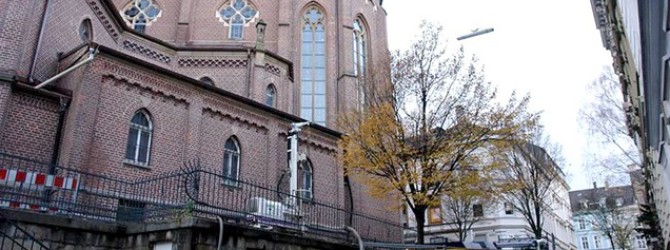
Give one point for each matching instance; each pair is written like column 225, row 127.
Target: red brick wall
column 190, row 122
column 29, row 127
column 18, row 31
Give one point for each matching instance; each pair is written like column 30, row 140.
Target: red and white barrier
column 27, row 180
column 13, row 177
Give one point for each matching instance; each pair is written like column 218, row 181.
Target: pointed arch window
column 313, row 67
column 360, row 49
column 270, row 95
column 141, row 13
column 207, row 80
column 360, row 59
column 138, row 146
column 237, row 14
column 86, row 31
column 231, row 162
column 306, row 180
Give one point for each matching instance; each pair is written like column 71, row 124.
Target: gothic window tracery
column 141, row 13
column 237, row 14
column 360, row 59
column 313, row 67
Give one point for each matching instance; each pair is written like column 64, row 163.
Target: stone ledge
column 63, row 221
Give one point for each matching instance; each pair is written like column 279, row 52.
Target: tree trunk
column 611, row 242
column 420, row 215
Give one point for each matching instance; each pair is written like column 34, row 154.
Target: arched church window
column 307, row 180
column 138, row 146
column 237, row 14
column 360, row 59
column 313, row 67
column 207, row 80
column 86, row 31
column 141, row 13
column 360, row 49
column 270, row 95
column 231, row 162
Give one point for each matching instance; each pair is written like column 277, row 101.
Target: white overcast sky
column 550, row 49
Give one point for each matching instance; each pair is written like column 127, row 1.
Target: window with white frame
column 231, row 162
column 138, row 146
column 585, row 242
column 477, row 210
column 640, row 242
column 582, row 224
column 139, row 14
column 270, row 95
column 306, row 184
column 596, row 242
column 313, row 66
column 237, row 14
column 509, row 208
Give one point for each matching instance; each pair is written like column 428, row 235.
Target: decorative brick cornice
column 235, row 112
column 146, row 51
column 213, row 62
column 35, row 102
column 272, row 69
column 107, row 67
column 320, row 143
column 145, row 90
column 232, row 117
column 104, row 19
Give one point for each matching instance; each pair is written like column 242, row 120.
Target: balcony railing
column 192, row 191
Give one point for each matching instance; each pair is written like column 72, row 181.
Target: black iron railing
column 189, row 191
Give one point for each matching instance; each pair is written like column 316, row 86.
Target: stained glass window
column 237, row 14
column 141, row 13
column 313, row 67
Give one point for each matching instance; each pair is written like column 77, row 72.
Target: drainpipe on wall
column 218, row 244
column 59, row 135
column 91, row 55
column 337, row 58
column 250, row 65
column 45, row 13
column 358, row 237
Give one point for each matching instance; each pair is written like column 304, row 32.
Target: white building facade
column 588, row 233
column 499, row 226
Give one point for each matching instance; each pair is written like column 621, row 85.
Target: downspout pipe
column 91, row 55
column 59, row 135
column 45, row 13
column 358, row 237
column 337, row 58
column 218, row 244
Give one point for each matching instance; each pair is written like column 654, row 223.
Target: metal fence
column 189, row 191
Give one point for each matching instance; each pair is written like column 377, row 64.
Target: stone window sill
column 136, row 164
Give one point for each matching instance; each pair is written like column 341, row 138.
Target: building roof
column 594, row 195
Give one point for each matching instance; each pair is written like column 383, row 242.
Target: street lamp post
column 474, row 33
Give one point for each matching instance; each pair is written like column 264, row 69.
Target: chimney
column 594, row 185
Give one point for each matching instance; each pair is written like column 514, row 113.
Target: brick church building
column 133, row 89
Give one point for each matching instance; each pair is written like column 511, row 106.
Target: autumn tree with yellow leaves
column 433, row 131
